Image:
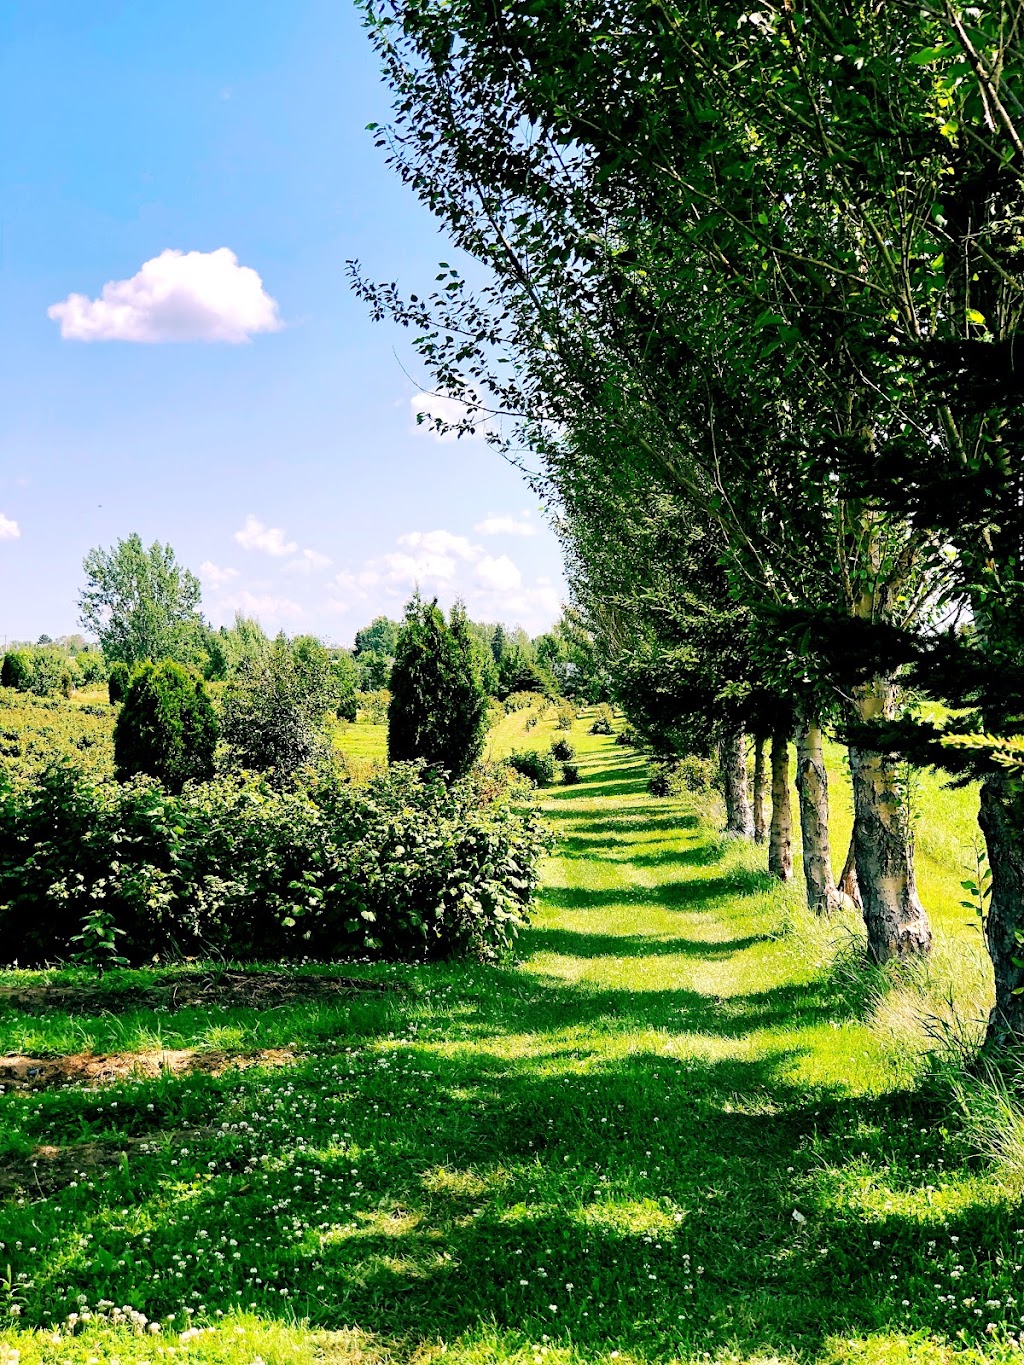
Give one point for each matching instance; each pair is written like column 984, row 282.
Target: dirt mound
column 18, row 1072
column 188, row 991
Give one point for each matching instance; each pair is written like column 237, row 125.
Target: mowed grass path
column 674, row 1130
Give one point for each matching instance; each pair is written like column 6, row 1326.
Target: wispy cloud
column 176, row 296
column 507, row 526
column 215, row 575
column 9, row 529
column 268, row 539
column 308, row 561
column 492, row 586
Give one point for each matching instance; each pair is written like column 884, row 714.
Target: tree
column 379, row 637
column 438, row 706
column 344, row 683
column 166, row 726
column 276, row 706
column 374, row 670
column 656, row 262
column 141, row 603
column 16, row 671
column 118, row 682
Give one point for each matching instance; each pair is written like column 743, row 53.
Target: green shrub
column 629, row 737
column 570, row 774
column 522, row 701
column 662, row 780
column 531, row 722
column 88, row 668
column 675, row 776
column 538, row 767
column 697, row 774
column 562, row 750
column 16, row 671
column 38, row 731
column 274, row 714
column 373, row 706
column 403, row 867
column 438, row 705
column 495, row 712
column 602, row 723
column 166, row 727
column 118, row 682
column 565, row 715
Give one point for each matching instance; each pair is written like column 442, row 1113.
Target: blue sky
column 281, row 459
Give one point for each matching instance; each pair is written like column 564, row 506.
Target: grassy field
column 684, row 1125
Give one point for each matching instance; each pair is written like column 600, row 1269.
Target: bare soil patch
column 19, row 1072
column 48, row 1168
column 223, row 989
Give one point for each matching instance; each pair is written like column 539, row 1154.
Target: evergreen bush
column 118, row 682
column 16, row 671
column 563, row 750
column 166, row 727
column 438, row 708
column 570, row 774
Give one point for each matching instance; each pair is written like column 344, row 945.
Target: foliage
column 373, row 706
column 166, row 727
column 141, row 604
column 538, row 767
column 438, row 707
column 520, row 701
column 38, row 731
column 344, row 681
column 565, row 714
column 274, row 713
column 602, row 722
column 404, row 866
column 49, row 670
column 118, row 682
column 380, row 637
column 16, row 671
column 570, row 774
column 563, row 750
column 628, row 737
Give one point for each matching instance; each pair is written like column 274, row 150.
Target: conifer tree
column 437, row 712
column 166, row 727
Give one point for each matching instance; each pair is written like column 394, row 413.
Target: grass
column 685, row 1124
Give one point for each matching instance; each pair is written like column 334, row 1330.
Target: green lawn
column 684, row 1125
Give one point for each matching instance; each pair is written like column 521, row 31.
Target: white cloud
column 214, row 575
column 499, row 574
column 507, row 526
column 492, row 586
column 176, row 296
column 270, row 608
column 270, row 539
column 9, row 529
column 441, row 543
column 307, row 562
column 444, row 409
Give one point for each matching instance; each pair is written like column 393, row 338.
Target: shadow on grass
column 645, row 1203
column 571, row 944
column 690, row 895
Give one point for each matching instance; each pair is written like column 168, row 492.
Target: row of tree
column 754, row 288
column 275, row 711
column 142, row 604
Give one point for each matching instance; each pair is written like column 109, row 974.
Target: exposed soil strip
column 18, row 1072
column 49, row 1169
column 187, row 992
